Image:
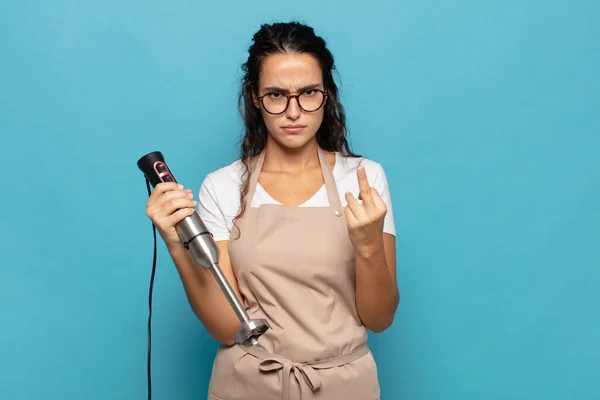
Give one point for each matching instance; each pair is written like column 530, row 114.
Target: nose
column 293, row 110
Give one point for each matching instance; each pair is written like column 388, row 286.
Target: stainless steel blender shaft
column 205, row 253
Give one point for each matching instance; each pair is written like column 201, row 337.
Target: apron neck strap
column 332, row 192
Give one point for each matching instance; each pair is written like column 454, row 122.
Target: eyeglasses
column 276, row 103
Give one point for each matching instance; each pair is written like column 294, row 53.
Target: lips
column 293, row 128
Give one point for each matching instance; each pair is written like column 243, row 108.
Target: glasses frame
column 293, row 96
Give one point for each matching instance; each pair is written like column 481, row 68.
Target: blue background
column 485, row 115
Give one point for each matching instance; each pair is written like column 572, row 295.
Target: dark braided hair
column 291, row 37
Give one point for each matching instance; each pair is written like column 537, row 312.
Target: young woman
column 306, row 234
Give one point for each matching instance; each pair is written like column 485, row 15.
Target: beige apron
column 295, row 267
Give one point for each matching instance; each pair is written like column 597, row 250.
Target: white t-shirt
column 219, row 195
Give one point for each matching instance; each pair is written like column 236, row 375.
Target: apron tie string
column 304, row 373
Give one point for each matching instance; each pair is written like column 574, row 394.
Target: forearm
column 205, row 297
column 377, row 295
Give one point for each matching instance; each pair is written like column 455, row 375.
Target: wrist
column 371, row 249
column 175, row 248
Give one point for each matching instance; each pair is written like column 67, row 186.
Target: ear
column 255, row 100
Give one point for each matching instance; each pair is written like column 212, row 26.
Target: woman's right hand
column 168, row 204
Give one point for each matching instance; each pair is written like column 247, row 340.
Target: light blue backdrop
column 485, row 115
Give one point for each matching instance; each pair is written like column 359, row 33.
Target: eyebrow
column 302, row 89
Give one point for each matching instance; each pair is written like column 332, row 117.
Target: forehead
column 290, row 71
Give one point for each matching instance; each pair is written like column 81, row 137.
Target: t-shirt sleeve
column 381, row 184
column 210, row 211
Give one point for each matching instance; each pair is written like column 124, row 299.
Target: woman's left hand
column 365, row 221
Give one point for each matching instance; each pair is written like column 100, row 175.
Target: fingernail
column 180, row 186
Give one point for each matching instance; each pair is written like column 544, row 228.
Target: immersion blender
column 199, row 242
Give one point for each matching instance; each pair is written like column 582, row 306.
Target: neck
column 283, row 159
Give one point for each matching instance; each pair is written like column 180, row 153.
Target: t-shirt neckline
column 333, row 170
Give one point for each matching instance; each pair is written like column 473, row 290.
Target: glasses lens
column 275, row 103
column 311, row 100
